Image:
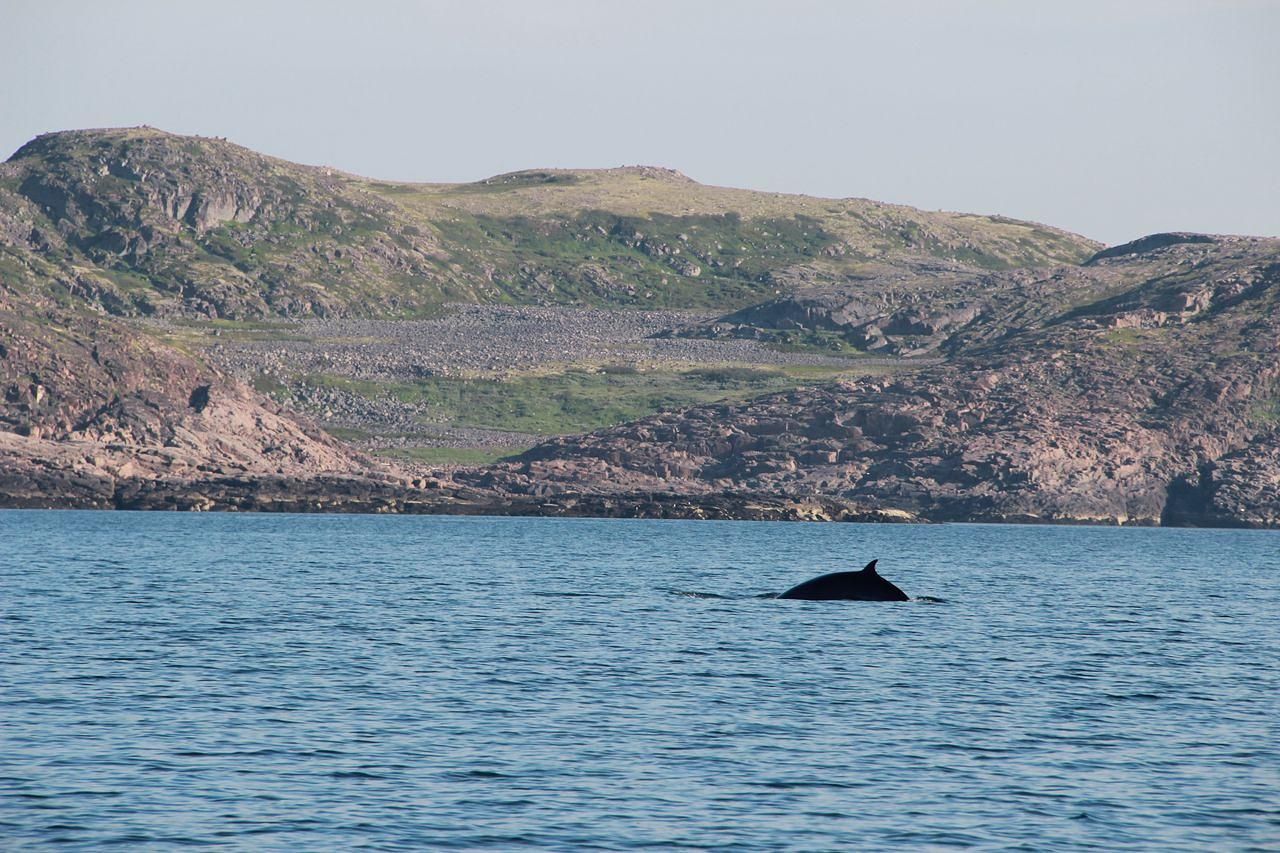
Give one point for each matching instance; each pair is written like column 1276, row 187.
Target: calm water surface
column 342, row 682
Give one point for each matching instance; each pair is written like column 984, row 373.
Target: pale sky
column 1113, row 119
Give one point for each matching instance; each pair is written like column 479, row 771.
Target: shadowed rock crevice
column 1148, row 244
column 199, row 398
column 1189, row 501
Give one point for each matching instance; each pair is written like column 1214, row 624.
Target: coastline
column 354, row 496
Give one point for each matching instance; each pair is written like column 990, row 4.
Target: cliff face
column 1159, row 403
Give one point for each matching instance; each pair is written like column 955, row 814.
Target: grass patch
column 731, row 375
column 264, row 384
column 581, row 400
column 826, row 341
column 1128, row 338
column 450, row 455
column 206, row 332
column 601, row 258
column 516, row 181
column 348, row 433
column 130, row 282
column 1266, row 411
column 394, row 189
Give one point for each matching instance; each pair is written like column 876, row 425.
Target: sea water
column 276, row 682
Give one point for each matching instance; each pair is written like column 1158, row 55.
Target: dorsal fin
column 871, row 567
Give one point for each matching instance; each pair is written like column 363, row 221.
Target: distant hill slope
column 1157, row 404
column 1061, row 381
column 139, row 221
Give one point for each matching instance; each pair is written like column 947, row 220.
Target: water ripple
column 313, row 682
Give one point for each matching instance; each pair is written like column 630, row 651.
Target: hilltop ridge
column 173, row 225
column 562, row 175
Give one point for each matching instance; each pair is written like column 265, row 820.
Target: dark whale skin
column 865, row 585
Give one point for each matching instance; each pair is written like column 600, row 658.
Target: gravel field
column 471, row 341
column 489, row 339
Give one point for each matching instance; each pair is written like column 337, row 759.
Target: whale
column 864, row 585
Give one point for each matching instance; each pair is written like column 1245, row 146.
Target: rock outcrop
column 196, row 226
column 92, row 411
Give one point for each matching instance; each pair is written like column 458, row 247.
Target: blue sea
column 277, row 682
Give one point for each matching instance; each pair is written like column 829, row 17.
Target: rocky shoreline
column 358, row 496
column 148, row 498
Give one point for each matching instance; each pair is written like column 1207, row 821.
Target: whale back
column 865, row 585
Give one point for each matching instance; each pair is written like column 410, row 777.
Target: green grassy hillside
column 145, row 222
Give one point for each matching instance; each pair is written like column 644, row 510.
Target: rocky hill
column 1158, row 404
column 155, row 223
column 989, row 369
column 96, row 415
